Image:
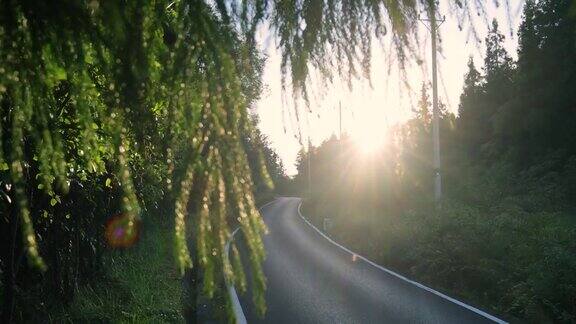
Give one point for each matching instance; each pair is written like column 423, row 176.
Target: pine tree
column 498, row 89
column 471, row 123
column 498, row 64
column 423, row 109
column 539, row 119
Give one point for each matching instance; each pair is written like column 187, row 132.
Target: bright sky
column 368, row 112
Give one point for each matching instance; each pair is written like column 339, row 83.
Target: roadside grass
column 141, row 284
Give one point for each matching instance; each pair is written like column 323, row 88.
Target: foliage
column 335, row 38
column 128, row 107
column 268, row 170
column 122, row 107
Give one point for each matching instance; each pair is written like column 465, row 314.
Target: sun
column 367, row 143
column 369, row 135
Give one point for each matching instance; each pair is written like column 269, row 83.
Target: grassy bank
column 505, row 258
column 140, row 285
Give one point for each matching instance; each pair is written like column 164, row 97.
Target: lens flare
column 122, row 231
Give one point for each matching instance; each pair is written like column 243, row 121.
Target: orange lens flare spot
column 122, row 231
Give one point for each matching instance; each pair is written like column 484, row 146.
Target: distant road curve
column 312, row 279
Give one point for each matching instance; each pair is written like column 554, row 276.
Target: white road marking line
column 417, row 284
column 236, row 307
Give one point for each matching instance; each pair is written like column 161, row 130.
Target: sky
column 367, row 111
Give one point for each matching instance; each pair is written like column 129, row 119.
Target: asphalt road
column 311, row 280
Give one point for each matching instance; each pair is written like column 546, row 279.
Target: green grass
column 141, row 285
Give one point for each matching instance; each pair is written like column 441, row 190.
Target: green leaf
column 55, row 74
column 109, row 183
column 3, row 166
column 53, row 202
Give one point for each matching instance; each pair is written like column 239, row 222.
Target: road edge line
column 236, row 306
column 401, row 277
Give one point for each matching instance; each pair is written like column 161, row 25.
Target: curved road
column 311, row 280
